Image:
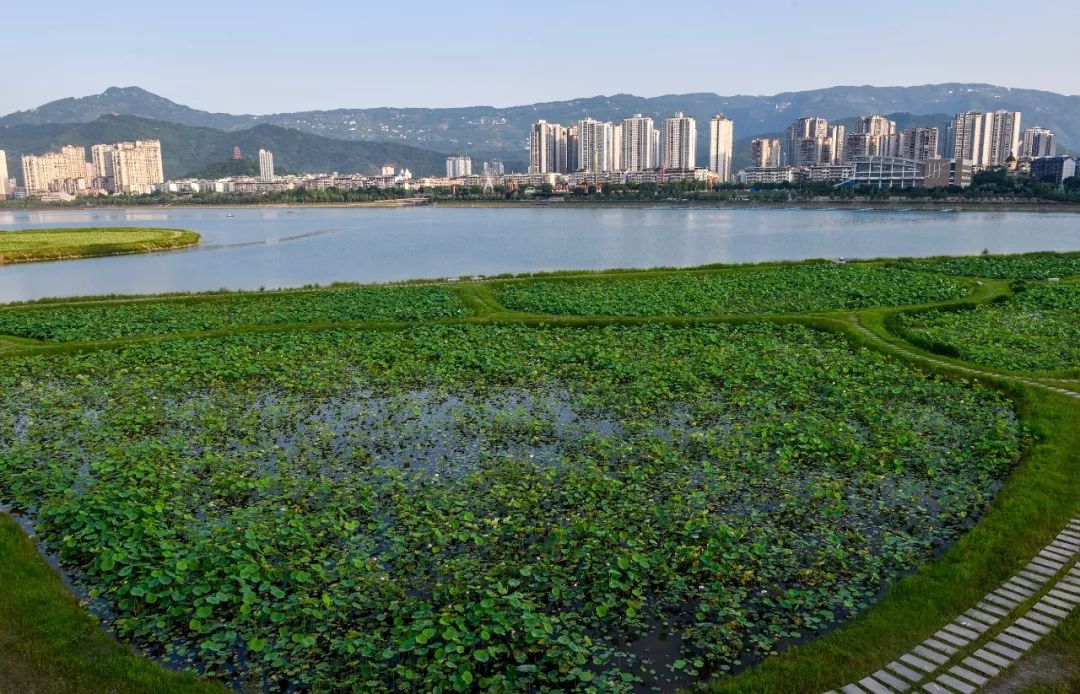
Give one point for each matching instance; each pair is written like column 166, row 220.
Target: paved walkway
column 979, row 644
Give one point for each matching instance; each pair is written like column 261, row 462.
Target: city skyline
column 401, row 50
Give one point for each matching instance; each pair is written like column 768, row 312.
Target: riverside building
column 721, row 143
column 56, row 172
column 679, row 147
column 129, row 168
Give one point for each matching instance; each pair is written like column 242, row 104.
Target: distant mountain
column 487, row 131
column 128, row 101
column 186, row 149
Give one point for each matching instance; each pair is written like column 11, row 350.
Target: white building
column 985, row 139
column 266, row 166
column 639, row 138
column 886, row 172
column 549, row 148
column 54, row 172
column 767, row 175
column 458, row 166
column 129, row 168
column 594, row 144
column 3, row 175
column 679, row 146
column 1039, row 142
column 721, row 145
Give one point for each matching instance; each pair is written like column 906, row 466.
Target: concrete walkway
column 979, row 644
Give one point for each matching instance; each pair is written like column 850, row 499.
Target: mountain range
column 428, row 134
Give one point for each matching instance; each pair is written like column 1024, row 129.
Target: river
column 250, row 248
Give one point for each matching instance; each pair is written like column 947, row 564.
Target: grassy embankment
column 62, row 244
column 52, row 645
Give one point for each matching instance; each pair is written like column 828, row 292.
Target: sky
column 240, row 56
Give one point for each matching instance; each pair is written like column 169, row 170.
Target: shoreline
column 814, row 205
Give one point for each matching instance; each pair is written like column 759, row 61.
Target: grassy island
column 62, row 244
column 737, row 478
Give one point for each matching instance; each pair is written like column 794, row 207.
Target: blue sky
column 257, row 57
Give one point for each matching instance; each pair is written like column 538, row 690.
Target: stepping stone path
column 979, row 644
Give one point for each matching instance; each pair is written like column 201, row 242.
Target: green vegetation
column 50, row 645
column 372, row 488
column 1034, row 330
column 1029, row 266
column 348, row 509
column 54, row 244
column 218, row 311
column 783, row 289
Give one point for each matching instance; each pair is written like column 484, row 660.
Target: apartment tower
column 721, row 144
column 679, row 146
column 266, row 166
column 765, row 153
column 638, row 144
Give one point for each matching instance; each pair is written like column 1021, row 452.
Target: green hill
column 189, row 149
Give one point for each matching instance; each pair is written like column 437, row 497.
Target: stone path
column 971, row 650
column 979, row 644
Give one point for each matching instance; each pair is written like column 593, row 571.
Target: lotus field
column 1037, row 329
column 1028, row 266
column 215, row 312
column 783, row 289
column 625, row 482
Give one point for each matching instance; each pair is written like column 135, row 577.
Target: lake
column 249, row 248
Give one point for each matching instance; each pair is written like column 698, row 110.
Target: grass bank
column 48, row 643
column 34, row 245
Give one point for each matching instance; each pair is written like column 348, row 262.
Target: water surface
column 249, row 248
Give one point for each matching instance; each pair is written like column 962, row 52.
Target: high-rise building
column 236, row 153
column 1039, row 142
column 1005, row 137
column 721, row 145
column 836, row 145
column 573, row 149
column 985, row 139
column 548, row 151
column 594, row 143
column 458, row 166
column 811, row 128
column 638, row 144
column 266, row 166
column 765, row 153
column 919, row 144
column 616, row 147
column 63, row 171
column 129, row 168
column 876, row 125
column 3, row 175
column 859, row 144
column 679, row 145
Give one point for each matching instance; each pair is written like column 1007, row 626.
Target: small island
column 62, row 244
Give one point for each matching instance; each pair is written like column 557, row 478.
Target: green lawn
column 57, row 244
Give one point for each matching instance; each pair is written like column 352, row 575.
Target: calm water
column 282, row 248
